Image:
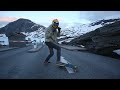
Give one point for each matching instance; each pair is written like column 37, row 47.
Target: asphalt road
column 20, row 64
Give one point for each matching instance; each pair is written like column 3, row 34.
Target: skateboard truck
column 74, row 67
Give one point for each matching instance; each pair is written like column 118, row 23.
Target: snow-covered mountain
column 32, row 30
column 77, row 29
column 38, row 35
column 70, row 31
column 103, row 40
column 20, row 25
column 74, row 30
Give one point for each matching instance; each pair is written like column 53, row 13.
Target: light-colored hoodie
column 51, row 34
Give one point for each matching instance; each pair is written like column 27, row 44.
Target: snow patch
column 38, row 35
column 63, row 60
column 4, row 40
column 117, row 51
column 34, row 25
column 75, row 30
column 66, row 40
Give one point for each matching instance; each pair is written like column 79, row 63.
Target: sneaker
column 60, row 64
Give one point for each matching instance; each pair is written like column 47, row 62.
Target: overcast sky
column 98, row 15
column 83, row 17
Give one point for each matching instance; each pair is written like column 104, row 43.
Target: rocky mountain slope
column 103, row 40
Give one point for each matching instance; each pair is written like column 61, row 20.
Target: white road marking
column 70, row 70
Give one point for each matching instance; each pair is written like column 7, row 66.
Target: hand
column 59, row 29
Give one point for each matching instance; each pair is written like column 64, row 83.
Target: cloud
column 98, row 15
column 84, row 21
column 7, row 19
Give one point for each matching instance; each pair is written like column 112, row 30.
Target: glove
column 59, row 29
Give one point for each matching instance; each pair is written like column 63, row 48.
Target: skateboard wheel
column 75, row 68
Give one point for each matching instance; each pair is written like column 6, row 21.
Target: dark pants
column 51, row 46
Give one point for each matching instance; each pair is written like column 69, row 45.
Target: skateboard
column 74, row 67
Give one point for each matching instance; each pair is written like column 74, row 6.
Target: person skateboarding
column 51, row 34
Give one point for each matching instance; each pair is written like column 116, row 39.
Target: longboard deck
column 71, row 68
